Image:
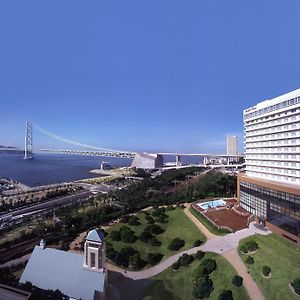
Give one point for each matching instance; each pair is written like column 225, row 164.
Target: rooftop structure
column 77, row 276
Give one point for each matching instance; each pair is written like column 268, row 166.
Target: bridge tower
column 28, row 140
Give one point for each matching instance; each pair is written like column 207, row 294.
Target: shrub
column 244, row 248
column 159, row 211
column 133, row 220
column 185, row 259
column 136, row 262
column 176, row 265
column 176, row 244
column 154, row 258
column 225, row 295
column 149, row 219
column 154, row 242
column 209, row 264
column 127, row 235
column 145, row 236
column 111, row 254
column 115, row 235
column 120, row 260
column 154, row 229
column 200, row 271
column 252, row 245
column 296, row 285
column 202, row 287
column 127, row 251
column 237, row 280
column 124, row 219
column 199, row 255
column 250, row 260
column 162, row 219
column 249, row 246
column 266, row 270
column 197, row 243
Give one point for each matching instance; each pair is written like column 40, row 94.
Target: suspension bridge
column 89, row 150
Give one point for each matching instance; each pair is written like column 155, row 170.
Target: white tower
column 94, row 251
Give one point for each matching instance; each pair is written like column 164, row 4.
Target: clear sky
column 143, row 75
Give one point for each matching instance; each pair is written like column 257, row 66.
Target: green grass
column 178, row 285
column 284, row 259
column 213, row 229
column 178, row 225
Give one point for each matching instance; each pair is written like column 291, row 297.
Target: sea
column 46, row 169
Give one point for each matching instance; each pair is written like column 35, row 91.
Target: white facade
column 272, row 139
column 232, row 145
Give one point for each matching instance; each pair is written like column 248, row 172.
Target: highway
column 18, row 213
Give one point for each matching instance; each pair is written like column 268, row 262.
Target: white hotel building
column 270, row 188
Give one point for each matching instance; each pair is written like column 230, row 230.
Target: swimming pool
column 212, row 204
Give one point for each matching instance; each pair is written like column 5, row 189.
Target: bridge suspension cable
column 57, row 137
column 14, row 139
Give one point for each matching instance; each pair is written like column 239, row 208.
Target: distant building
column 270, row 189
column 232, row 148
column 77, row 276
column 147, row 161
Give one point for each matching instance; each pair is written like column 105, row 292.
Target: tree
column 209, row 264
column 176, row 244
column 185, row 259
column 154, row 229
column 266, row 270
column 202, row 287
column 197, row 243
column 250, row 260
column 145, row 236
column 115, row 235
column 296, row 285
column 200, row 271
column 237, row 280
column 176, row 265
column 199, row 255
column 134, row 220
column 136, row 262
column 225, row 295
column 154, row 242
column 127, row 235
column 154, row 258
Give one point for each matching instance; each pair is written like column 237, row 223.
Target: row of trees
column 157, row 191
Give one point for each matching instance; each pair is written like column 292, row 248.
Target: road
column 47, row 205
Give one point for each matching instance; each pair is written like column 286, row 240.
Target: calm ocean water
column 48, row 169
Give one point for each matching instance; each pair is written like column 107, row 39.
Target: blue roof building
column 75, row 275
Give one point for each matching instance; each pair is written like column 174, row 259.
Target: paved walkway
column 224, row 245
column 252, row 288
column 200, row 226
column 220, row 245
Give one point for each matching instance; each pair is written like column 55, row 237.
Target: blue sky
column 143, row 75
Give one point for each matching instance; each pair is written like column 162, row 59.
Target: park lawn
column 283, row 257
column 178, row 225
column 213, row 229
column 178, row 285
